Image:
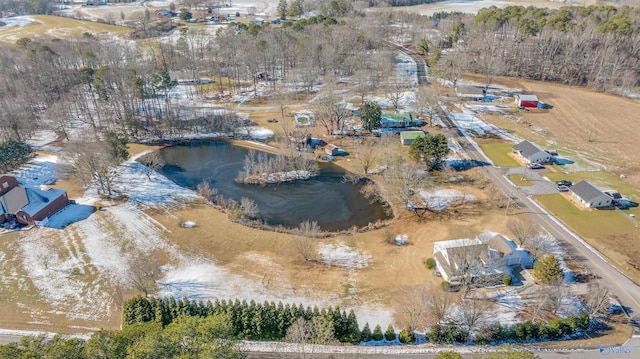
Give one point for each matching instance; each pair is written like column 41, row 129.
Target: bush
column 430, row 263
column 506, row 279
column 493, row 333
column 377, row 333
column 407, row 336
column 448, row 355
column 447, row 334
column 445, row 286
column 14, row 153
column 390, row 334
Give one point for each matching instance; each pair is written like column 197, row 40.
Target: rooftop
column 527, row 148
column 586, row 191
column 397, row 117
column 38, row 199
column 411, row 135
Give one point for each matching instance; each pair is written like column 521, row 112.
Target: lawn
column 520, row 180
column 498, row 152
column 587, row 224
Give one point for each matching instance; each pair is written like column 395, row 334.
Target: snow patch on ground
column 341, row 255
column 132, row 182
column 441, row 199
column 507, row 306
column 37, row 172
column 16, row 21
column 472, row 124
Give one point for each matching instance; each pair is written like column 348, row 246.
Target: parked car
column 562, row 188
column 535, row 166
column 564, row 183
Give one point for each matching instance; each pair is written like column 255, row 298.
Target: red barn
column 529, row 101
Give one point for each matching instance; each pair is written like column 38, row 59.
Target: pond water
column 324, row 198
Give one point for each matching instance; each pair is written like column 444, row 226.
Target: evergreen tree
column 137, row 310
column 407, row 336
column 282, row 9
column 390, row 334
column 296, row 8
column 377, row 333
column 548, row 270
column 429, row 149
column 352, row 334
column 371, row 116
column 366, row 334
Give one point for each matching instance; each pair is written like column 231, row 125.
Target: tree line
column 594, row 46
column 248, row 320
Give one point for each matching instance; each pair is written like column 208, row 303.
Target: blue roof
column 39, row 199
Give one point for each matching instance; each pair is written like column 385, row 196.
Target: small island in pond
column 262, row 168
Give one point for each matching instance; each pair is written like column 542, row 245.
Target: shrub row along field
column 253, row 321
column 269, row 321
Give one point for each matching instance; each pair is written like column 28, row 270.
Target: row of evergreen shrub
column 250, row 320
column 270, row 321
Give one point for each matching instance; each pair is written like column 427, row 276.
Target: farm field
column 56, row 26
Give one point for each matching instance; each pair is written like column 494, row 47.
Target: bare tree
column 523, row 229
column 249, row 207
column 304, row 239
column 403, row 180
column 472, row 266
column 153, row 162
column 414, row 304
column 474, row 311
column 318, row 330
column 395, row 92
column 366, row 153
column 556, row 295
column 205, row 190
column 540, row 245
column 426, row 103
column 92, row 162
column 598, row 300
column 439, row 305
column 144, row 271
column 331, row 112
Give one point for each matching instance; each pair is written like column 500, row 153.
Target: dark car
column 535, row 166
column 564, row 183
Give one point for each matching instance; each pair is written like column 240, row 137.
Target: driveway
column 539, row 183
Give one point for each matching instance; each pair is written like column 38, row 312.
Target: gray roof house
column 589, row 195
column 531, row 153
column 496, row 255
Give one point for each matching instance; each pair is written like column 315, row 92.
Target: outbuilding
column 407, row 137
column 528, row 101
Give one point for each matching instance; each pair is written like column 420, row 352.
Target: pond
column 325, row 198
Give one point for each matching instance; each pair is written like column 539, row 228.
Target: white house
column 589, row 195
column 531, row 153
column 495, row 254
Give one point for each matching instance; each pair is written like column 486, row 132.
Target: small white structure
column 531, row 153
column 589, row 195
column 304, row 119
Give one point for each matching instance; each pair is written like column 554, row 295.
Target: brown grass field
column 60, row 27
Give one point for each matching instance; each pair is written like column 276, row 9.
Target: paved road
column 6, row 339
column 420, row 63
